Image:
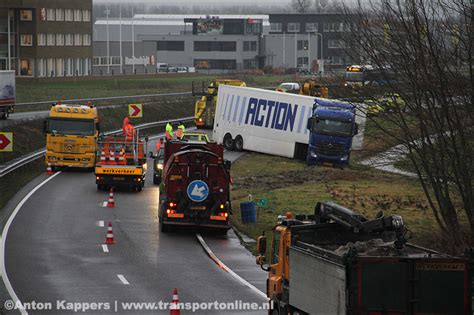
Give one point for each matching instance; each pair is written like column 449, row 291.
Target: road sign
column 6, row 141
column 135, row 110
column 198, row 190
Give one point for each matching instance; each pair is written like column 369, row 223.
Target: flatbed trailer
column 122, row 163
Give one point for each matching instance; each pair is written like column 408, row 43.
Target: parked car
column 172, row 69
column 289, row 87
column 182, row 69
column 162, row 67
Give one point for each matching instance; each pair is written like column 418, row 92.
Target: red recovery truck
column 195, row 186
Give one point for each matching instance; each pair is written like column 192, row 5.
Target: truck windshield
column 333, row 127
column 354, row 76
column 71, row 127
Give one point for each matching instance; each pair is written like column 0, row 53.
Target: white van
column 162, row 67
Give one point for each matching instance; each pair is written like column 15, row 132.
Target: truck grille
column 329, row 148
column 70, row 148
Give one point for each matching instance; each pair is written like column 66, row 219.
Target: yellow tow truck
column 71, row 135
column 205, row 107
column 339, row 262
column 311, row 87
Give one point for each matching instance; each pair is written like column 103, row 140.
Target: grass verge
column 34, row 90
column 290, row 185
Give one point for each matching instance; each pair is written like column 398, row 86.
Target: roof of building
column 199, row 16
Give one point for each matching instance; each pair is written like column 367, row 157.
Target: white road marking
column 6, row 281
column 122, row 278
column 101, row 223
column 223, row 266
column 105, row 248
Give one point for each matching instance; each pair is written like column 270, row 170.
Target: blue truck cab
column 332, row 126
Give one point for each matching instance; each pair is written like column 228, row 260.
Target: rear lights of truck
column 172, row 214
column 172, row 204
column 220, row 217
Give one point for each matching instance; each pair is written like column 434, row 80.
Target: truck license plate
column 200, row 208
column 118, row 178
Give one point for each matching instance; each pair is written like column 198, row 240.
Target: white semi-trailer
column 284, row 124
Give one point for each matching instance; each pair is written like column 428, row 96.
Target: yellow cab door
column 278, row 263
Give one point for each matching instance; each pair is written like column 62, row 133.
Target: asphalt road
column 54, row 252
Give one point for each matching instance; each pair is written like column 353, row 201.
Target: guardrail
column 38, row 154
column 84, row 100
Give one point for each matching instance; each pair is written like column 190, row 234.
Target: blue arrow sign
column 197, row 190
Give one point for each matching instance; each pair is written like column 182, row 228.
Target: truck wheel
column 239, row 143
column 228, row 142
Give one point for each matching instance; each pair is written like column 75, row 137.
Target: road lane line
column 122, row 278
column 230, row 271
column 5, row 279
column 101, row 223
column 105, row 248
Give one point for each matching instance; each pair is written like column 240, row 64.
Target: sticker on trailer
column 197, row 191
column 6, row 141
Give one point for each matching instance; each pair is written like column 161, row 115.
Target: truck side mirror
column 309, row 125
column 356, row 129
column 262, row 245
column 45, row 125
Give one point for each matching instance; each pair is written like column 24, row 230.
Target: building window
column 41, row 39
column 50, row 39
column 250, row 46
column 86, row 15
column 68, row 15
column 50, row 15
column 86, row 40
column 221, row 64
column 336, row 60
column 26, row 67
column 275, row 27
column 250, row 64
column 77, row 15
column 302, row 45
column 26, row 40
column 115, row 60
column 302, row 61
column 336, row 43
column 170, row 45
column 41, row 67
column 60, row 67
column 214, row 46
column 253, row 27
column 69, row 41
column 311, row 27
column 26, row 15
column 59, row 39
column 77, row 39
column 96, row 61
column 59, row 14
column 293, row 27
column 333, row 27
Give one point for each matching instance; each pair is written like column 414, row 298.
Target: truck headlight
column 159, row 166
column 313, row 154
column 344, row 158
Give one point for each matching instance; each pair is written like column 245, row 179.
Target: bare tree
column 428, row 46
column 301, row 6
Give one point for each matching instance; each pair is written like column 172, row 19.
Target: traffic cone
column 174, row 307
column 112, row 158
column 49, row 169
column 121, row 158
column 111, row 201
column 103, row 158
column 109, row 239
